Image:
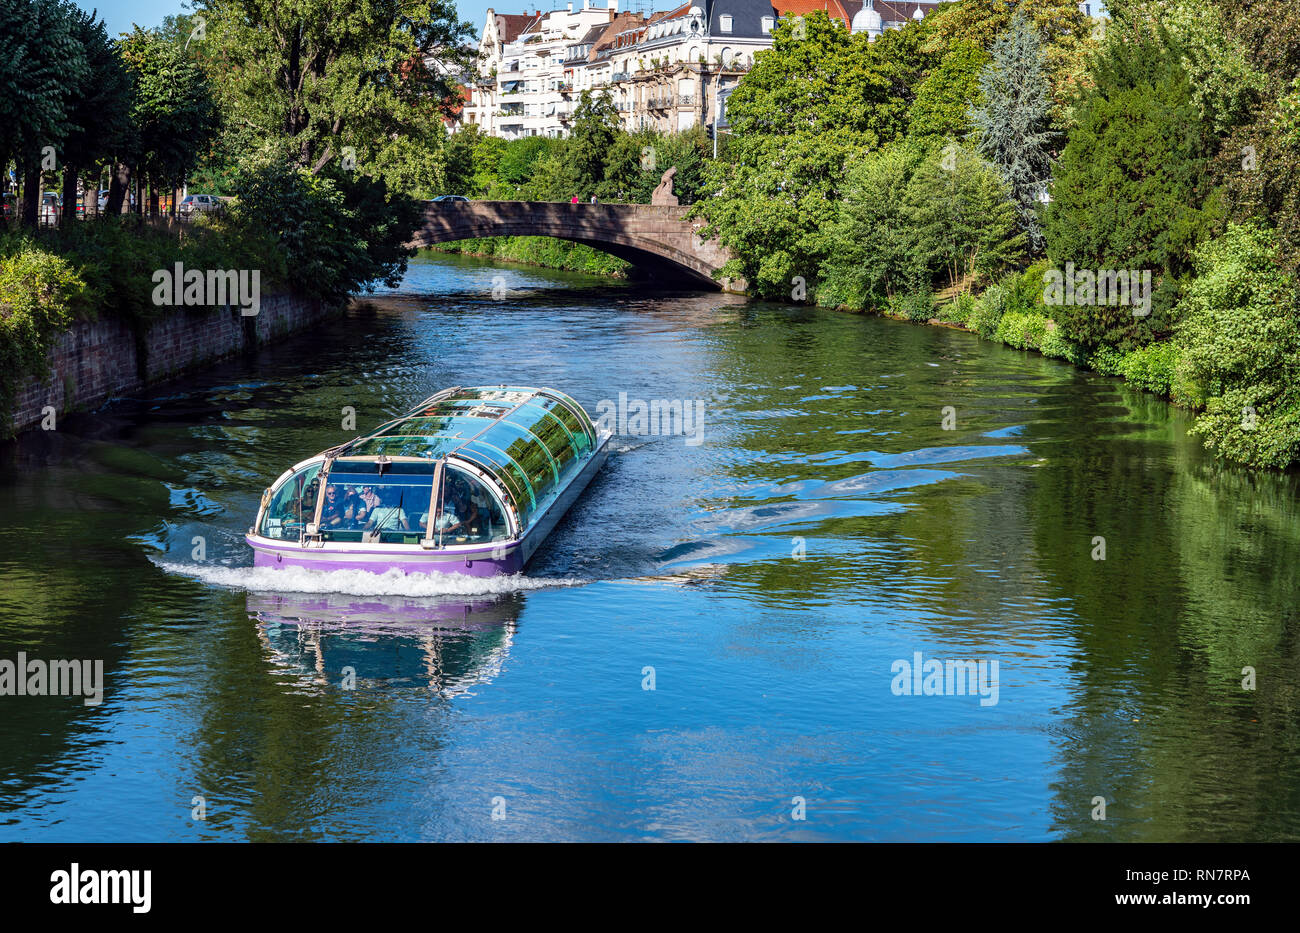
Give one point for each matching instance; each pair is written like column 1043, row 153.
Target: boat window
column 403, row 446
column 292, row 506
column 361, row 503
column 506, row 472
column 527, row 450
column 551, row 431
column 471, row 512
column 573, row 415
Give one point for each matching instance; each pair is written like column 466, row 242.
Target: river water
column 711, row 644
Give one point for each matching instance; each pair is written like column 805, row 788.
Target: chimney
column 570, row 7
column 613, row 6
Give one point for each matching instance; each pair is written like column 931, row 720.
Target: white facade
column 664, row 71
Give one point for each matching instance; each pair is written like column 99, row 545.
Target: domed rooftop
column 868, row 20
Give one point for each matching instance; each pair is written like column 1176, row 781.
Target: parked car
column 128, row 199
column 195, row 204
column 51, row 208
column 451, row 197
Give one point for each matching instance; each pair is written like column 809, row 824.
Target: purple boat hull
column 477, row 563
column 485, row 560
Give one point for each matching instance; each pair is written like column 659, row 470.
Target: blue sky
column 121, row 14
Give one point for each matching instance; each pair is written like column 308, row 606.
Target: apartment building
column 668, row 70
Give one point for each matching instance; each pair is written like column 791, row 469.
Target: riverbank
column 546, row 252
column 95, row 360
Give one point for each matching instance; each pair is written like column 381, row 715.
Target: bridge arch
column 658, row 240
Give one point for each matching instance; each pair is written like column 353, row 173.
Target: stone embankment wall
column 94, row 361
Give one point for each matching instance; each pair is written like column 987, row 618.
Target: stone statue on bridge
column 663, row 193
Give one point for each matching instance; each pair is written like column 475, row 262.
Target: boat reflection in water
column 446, row 645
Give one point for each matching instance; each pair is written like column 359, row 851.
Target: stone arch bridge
column 658, row 240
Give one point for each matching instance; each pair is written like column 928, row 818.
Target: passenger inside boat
column 337, row 511
column 390, row 515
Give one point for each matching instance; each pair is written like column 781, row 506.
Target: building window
column 767, row 25
column 724, row 23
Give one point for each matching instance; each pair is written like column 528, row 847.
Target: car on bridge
column 451, row 197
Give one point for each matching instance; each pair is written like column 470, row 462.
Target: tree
column 99, row 107
column 796, row 116
column 41, row 66
column 962, row 218
column 1259, row 162
column 595, row 127
column 1065, row 32
column 1012, row 122
column 173, row 111
column 1240, row 332
column 315, row 79
column 636, row 163
column 521, row 156
column 339, row 234
column 1130, row 190
column 874, row 257
column 945, row 96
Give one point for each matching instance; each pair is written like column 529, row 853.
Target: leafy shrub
column 1240, row 334
column 1106, row 360
column 1151, row 367
column 988, row 312
column 918, row 305
column 339, row 235
column 960, row 309
column 542, row 251
column 1022, row 331
column 40, row 295
column 1056, row 345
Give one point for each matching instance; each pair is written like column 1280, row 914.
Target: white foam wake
column 360, row 582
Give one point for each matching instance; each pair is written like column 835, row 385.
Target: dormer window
column 724, row 23
column 768, row 23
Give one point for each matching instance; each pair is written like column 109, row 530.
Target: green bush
column 918, row 305
column 40, row 295
column 988, row 312
column 1021, row 330
column 1240, row 335
column 1106, row 360
column 959, row 310
column 1152, row 367
column 542, row 251
column 1056, row 345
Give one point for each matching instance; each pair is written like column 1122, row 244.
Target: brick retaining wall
column 96, row 360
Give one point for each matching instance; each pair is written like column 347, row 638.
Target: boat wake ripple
column 359, row 582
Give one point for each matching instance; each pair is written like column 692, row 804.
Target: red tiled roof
column 832, row 8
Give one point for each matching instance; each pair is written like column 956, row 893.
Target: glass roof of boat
column 529, row 440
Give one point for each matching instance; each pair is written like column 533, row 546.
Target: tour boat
column 469, row 481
